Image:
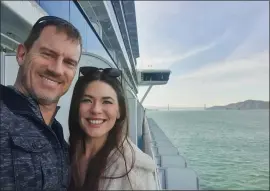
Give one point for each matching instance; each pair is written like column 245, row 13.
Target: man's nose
column 57, row 67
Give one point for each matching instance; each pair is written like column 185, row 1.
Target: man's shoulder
column 11, row 99
column 2, row 86
column 3, row 90
column 6, row 93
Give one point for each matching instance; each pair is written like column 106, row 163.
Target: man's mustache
column 51, row 74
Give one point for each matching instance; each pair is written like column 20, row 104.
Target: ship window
column 160, row 76
column 56, row 8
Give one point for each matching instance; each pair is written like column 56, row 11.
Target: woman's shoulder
column 133, row 157
column 141, row 159
column 130, row 154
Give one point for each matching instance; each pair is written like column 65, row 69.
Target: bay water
column 229, row 149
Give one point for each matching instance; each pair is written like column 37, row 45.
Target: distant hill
column 245, row 105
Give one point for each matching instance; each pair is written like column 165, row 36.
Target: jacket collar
column 19, row 103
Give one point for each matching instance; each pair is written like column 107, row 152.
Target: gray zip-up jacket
column 33, row 155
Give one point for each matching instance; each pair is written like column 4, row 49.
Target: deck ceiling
column 130, row 20
column 14, row 29
column 130, row 16
column 96, row 11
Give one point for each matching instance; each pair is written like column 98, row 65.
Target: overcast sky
column 218, row 51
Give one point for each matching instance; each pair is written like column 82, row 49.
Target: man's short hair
column 61, row 26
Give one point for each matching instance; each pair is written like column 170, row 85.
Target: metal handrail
column 11, row 39
column 147, row 136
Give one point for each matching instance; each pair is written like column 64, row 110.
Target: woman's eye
column 86, row 100
column 107, row 102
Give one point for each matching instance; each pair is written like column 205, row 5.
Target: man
column 34, row 154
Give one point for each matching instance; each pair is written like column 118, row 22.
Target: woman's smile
column 95, row 123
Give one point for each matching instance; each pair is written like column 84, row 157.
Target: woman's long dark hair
column 116, row 137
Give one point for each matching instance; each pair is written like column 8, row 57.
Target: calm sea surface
column 228, row 149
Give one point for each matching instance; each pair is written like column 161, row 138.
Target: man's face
column 48, row 68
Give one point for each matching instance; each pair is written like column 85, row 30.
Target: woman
column 102, row 156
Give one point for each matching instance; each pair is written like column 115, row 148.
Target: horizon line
column 204, row 105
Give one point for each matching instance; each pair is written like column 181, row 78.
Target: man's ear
column 20, row 55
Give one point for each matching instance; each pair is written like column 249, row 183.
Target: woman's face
column 98, row 110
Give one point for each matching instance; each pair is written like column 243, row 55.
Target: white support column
column 2, row 69
column 132, row 112
column 140, row 116
column 149, row 88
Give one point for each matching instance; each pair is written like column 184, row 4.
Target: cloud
column 243, row 66
column 257, row 38
column 165, row 62
column 153, row 28
column 218, row 51
column 217, row 84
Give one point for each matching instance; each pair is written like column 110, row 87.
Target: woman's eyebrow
column 108, row 97
column 86, row 95
column 104, row 98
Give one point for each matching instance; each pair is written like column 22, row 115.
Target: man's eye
column 47, row 54
column 70, row 63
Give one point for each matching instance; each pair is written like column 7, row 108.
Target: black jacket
column 33, row 155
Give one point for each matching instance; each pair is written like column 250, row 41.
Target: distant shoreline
column 202, row 109
column 244, row 105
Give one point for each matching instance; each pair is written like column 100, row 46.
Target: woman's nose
column 96, row 108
